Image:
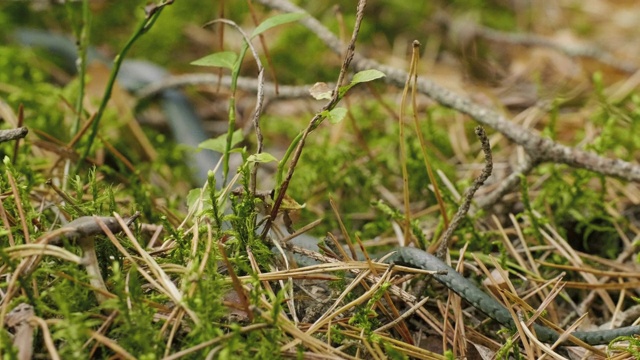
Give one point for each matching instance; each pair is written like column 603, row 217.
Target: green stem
column 285, row 159
column 232, row 112
column 83, row 45
column 144, row 26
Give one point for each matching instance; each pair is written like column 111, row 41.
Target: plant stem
column 281, row 188
column 152, row 14
column 83, row 44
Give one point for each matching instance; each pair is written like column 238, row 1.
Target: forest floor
column 503, row 137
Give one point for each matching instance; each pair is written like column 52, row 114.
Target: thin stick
column 468, row 195
column 259, row 102
column 13, row 134
column 243, row 83
column 152, row 13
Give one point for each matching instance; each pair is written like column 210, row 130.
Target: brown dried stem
column 468, row 195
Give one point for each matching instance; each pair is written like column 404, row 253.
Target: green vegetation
column 197, row 276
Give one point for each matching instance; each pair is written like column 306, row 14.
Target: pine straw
column 371, row 276
column 533, row 278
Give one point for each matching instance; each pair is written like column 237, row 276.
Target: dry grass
column 552, row 233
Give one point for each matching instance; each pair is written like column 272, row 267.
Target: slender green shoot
column 152, row 14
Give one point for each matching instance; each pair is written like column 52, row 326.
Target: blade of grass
column 83, row 44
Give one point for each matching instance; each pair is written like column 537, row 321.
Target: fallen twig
column 468, row 195
column 540, row 148
column 243, row 83
column 13, row 134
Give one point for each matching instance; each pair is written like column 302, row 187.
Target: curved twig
column 468, row 195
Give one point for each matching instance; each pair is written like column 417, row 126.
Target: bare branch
column 542, row 149
column 13, row 134
column 508, row 184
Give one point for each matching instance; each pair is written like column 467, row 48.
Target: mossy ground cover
column 196, row 275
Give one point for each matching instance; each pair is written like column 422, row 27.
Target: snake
column 134, row 74
column 468, row 291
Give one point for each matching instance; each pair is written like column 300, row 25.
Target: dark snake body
column 491, row 307
column 177, row 108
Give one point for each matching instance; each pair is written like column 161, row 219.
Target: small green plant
column 196, row 275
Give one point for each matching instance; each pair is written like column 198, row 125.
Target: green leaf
column 337, row 114
column 366, row 76
column 262, row 158
column 275, row 21
column 226, row 59
column 192, row 197
column 219, row 143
